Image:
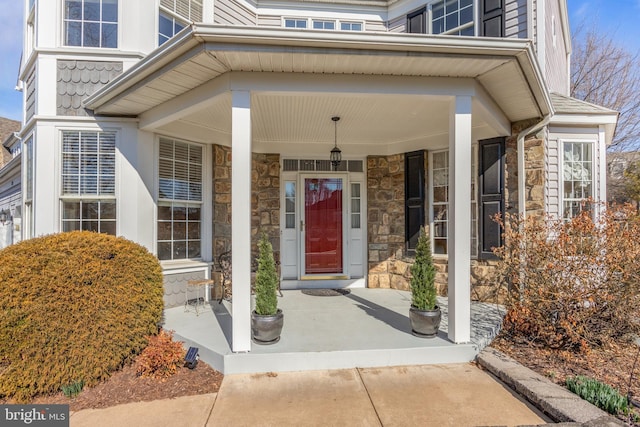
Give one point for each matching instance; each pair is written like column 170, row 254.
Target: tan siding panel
column 269, row 21
column 516, row 18
column 375, row 26
column 398, row 25
column 555, row 53
column 231, row 12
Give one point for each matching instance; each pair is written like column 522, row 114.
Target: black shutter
column 414, row 197
column 492, row 18
column 491, row 195
column 416, row 22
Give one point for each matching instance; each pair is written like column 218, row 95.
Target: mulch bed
column 125, row 387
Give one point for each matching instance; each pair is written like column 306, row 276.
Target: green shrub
column 73, row 389
column 423, row 275
column 266, row 279
column 161, row 358
column 598, row 394
column 74, row 307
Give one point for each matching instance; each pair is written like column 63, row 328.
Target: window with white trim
column 440, row 200
column 168, row 26
column 323, row 24
column 179, row 200
column 350, row 26
column 577, row 177
column 356, row 203
column 439, row 209
column 290, row 204
column 452, row 17
column 295, row 23
column 88, row 181
column 91, row 23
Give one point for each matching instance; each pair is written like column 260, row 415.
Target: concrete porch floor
column 366, row 328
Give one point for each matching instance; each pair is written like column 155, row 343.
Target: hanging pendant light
column 336, row 153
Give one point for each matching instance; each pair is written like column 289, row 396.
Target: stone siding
column 265, row 200
column 385, row 222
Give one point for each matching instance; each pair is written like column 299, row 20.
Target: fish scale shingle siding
column 77, row 80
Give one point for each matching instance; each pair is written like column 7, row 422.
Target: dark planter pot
column 266, row 329
column 425, row 323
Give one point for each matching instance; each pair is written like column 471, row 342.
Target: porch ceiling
column 505, row 69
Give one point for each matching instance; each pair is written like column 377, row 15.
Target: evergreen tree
column 423, row 275
column 266, row 279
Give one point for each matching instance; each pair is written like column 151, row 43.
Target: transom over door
column 323, row 226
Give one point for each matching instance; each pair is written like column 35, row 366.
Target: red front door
column 323, row 225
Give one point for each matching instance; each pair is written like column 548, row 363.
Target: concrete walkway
column 426, row 395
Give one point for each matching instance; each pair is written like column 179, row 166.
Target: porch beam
column 459, row 285
column 185, row 104
column 241, row 222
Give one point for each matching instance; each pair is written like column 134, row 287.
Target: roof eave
column 192, row 36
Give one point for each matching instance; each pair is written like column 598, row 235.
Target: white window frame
column 89, row 197
column 83, row 21
column 180, row 203
column 562, row 161
column 432, row 204
column 309, row 22
column 296, row 19
column 174, row 18
column 459, row 28
column 350, row 23
column 474, row 241
column 322, row 21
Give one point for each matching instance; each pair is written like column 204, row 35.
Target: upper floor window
column 91, row 23
column 577, row 177
column 443, row 17
column 168, row 26
column 350, row 26
column 323, row 24
column 452, row 17
column 295, row 23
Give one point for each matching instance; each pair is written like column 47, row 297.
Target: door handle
column 301, row 225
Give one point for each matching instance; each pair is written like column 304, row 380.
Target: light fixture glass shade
column 336, row 157
column 336, row 153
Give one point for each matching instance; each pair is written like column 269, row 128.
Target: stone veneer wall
column 389, row 264
column 265, row 200
column 534, row 148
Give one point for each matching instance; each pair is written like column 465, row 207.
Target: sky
column 619, row 17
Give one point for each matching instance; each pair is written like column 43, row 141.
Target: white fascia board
column 534, row 76
column 235, row 36
column 585, row 119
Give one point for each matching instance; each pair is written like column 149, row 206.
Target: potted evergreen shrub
column 424, row 313
column 266, row 319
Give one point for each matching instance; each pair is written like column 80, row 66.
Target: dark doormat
column 326, row 292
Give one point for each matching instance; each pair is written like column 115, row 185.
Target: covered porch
column 364, row 328
column 274, row 91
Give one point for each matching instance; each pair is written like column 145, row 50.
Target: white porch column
column 459, row 286
column 241, row 220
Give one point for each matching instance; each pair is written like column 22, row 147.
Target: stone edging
column 555, row 401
